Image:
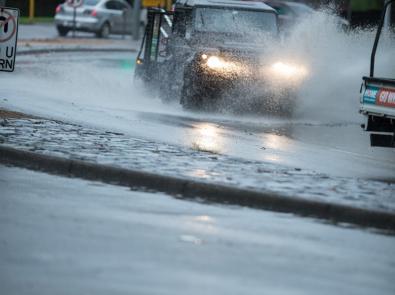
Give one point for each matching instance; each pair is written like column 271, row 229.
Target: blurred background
column 357, row 12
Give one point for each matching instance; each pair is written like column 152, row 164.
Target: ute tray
column 379, row 80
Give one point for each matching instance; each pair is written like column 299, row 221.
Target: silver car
column 102, row 17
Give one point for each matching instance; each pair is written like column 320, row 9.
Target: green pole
column 136, row 19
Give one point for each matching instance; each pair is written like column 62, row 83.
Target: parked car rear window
column 91, row 2
column 115, row 5
column 122, row 6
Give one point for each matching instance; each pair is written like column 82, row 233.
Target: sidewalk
column 43, row 38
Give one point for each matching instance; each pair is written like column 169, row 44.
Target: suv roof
column 251, row 5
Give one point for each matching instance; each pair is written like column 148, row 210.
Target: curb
column 82, row 49
column 191, row 189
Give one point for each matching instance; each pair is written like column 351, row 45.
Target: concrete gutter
column 54, row 45
column 190, row 189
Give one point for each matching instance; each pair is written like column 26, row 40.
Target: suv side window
column 282, row 10
column 182, row 22
column 179, row 23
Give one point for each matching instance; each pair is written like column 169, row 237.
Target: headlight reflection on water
column 206, row 138
column 275, row 145
column 201, row 224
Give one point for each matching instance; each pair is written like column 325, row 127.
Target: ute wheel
column 105, row 31
column 62, row 31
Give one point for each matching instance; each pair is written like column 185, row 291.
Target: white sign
column 75, row 3
column 8, row 37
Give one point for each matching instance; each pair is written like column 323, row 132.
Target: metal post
column 387, row 20
column 136, row 19
column 349, row 12
column 376, row 40
column 124, row 19
column 74, row 20
column 32, row 8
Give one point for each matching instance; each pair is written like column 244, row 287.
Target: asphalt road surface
column 69, row 236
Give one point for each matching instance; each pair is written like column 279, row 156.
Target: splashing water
column 336, row 61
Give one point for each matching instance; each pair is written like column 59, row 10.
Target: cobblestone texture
column 76, row 142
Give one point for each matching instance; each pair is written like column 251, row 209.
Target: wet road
column 97, row 91
column 126, row 242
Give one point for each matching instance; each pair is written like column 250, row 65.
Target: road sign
column 75, row 3
column 8, row 37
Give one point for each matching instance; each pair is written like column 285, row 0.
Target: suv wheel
column 190, row 100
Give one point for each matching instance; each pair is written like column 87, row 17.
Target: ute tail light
column 58, row 8
column 94, row 13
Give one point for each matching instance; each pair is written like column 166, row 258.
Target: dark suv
column 207, row 52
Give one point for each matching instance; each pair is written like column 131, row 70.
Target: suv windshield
column 241, row 22
column 300, row 9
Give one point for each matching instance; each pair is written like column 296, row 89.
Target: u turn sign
column 8, row 38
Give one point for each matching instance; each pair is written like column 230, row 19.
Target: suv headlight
column 220, row 65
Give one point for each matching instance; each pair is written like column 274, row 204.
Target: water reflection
column 273, row 141
column 204, row 218
column 206, row 137
column 200, row 173
column 274, row 146
column 201, row 224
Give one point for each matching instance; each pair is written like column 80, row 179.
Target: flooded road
column 97, row 90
